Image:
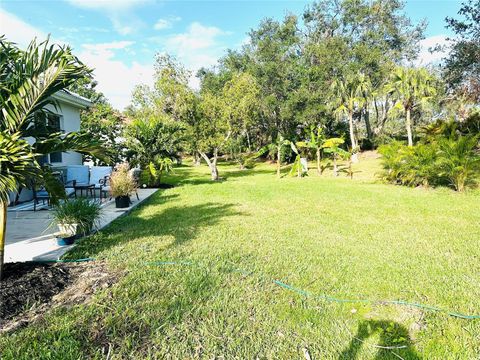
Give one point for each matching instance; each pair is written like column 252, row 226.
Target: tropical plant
column 315, row 142
column 122, row 182
column 348, row 98
column 410, row 165
column 148, row 139
column 459, row 160
column 332, row 146
column 82, row 212
column 276, row 148
column 412, row 88
column 155, row 170
column 28, row 80
column 297, row 166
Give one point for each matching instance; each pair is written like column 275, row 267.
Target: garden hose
column 301, row 291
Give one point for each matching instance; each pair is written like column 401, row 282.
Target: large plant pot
column 64, row 240
column 122, row 202
column 70, row 229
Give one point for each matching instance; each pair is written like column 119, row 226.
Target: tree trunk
column 212, row 164
column 335, row 168
column 409, row 128
column 248, row 141
column 319, row 161
column 3, row 228
column 352, row 138
column 196, row 159
column 368, row 127
column 278, row 160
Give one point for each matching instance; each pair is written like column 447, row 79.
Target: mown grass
column 344, row 238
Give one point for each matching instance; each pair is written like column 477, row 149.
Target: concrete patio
column 31, row 237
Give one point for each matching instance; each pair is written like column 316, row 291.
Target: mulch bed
column 30, row 289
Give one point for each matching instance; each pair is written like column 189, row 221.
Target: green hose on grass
column 301, row 291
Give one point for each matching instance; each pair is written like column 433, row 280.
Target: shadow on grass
column 181, row 222
column 394, row 342
column 186, row 176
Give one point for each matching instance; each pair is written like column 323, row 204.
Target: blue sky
column 119, row 38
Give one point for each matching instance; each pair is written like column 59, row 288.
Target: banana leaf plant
column 28, row 81
column 157, row 168
column 332, row 146
column 315, row 142
column 276, row 147
column 297, row 167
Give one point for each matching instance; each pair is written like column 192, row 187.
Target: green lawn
column 334, row 236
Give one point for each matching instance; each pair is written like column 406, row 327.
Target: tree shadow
column 394, row 342
column 181, row 222
column 186, row 176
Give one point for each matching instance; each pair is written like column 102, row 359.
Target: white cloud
column 166, row 23
column 426, row 57
column 18, row 31
column 198, row 47
column 115, row 78
column 120, row 12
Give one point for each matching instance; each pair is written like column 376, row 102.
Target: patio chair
column 43, row 195
column 77, row 175
column 78, row 178
column 99, row 176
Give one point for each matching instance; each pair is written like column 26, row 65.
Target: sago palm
column 28, row 80
column 411, row 88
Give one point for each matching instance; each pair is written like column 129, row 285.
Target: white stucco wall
column 70, row 121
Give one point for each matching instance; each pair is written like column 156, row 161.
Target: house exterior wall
column 69, row 121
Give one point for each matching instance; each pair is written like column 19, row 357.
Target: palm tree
column 28, row 79
column 411, row 88
column 349, row 97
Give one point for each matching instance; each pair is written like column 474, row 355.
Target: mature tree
column 28, row 80
column 346, row 37
column 348, row 98
column 411, row 88
column 273, row 54
column 105, row 124
column 213, row 130
column 462, row 67
column 87, row 87
column 241, row 98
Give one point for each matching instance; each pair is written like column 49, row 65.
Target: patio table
column 87, row 187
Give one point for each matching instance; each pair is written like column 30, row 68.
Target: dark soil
column 29, row 289
column 27, row 284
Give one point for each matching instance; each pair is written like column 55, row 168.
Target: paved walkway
column 30, row 236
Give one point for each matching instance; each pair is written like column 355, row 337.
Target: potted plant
column 76, row 217
column 65, row 239
column 122, row 185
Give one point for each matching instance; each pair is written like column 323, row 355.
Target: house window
column 56, row 157
column 54, row 124
column 46, row 123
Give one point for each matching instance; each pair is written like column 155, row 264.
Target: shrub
column 459, row 161
column 411, row 166
column 443, row 161
column 122, row 182
column 80, row 211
